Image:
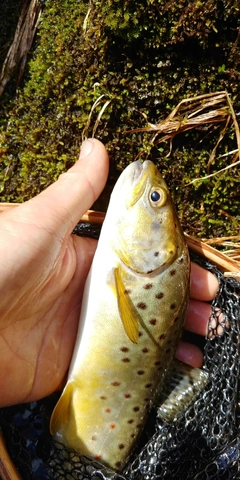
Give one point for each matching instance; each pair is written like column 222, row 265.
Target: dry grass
column 194, row 112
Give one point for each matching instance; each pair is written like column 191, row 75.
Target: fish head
column 147, row 235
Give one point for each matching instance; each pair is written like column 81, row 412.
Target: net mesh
column 203, row 443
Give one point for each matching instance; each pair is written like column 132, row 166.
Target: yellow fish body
column 131, row 320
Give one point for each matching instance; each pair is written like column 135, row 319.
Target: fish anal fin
column 126, row 309
column 180, row 389
column 60, row 413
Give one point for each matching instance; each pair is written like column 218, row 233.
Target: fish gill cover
column 202, row 444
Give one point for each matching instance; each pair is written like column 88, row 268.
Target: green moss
column 145, row 57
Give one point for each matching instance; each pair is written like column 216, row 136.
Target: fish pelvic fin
column 60, row 415
column 126, row 309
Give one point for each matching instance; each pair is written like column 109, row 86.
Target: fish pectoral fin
column 126, row 309
column 60, row 413
column 181, row 387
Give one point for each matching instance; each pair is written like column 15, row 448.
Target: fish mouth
column 140, row 176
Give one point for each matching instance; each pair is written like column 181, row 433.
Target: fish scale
column 131, row 320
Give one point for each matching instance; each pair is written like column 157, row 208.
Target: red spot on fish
column 112, row 426
column 108, row 410
column 127, row 395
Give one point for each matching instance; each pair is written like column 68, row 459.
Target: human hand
column 43, row 270
column 203, row 288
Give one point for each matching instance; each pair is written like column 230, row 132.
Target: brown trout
column 131, row 320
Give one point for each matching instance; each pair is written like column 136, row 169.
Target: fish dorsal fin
column 60, row 413
column 126, row 309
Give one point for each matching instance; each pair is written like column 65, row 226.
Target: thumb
column 64, row 202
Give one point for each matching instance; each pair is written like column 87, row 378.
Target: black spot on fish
column 136, row 409
column 126, row 360
column 145, row 350
column 130, row 421
column 148, row 286
column 133, row 435
column 118, row 465
column 149, row 271
column 168, row 350
column 169, row 342
column 172, row 306
column 115, row 384
column 170, row 251
column 127, row 291
column 181, row 260
column 153, row 321
column 103, row 397
column 172, row 272
column 148, row 385
column 140, row 372
column 142, row 305
column 158, row 362
column 94, row 437
column 121, row 446
column 159, row 295
column 156, row 254
column 124, row 349
column 162, row 336
column 140, row 334
column 176, row 319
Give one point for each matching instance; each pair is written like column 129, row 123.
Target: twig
column 8, row 470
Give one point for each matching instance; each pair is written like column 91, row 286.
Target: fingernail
column 86, row 148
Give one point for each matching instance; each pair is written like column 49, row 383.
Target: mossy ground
column 144, row 56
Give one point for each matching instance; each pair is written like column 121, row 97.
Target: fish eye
column 158, row 196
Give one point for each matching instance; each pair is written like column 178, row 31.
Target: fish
column 131, row 320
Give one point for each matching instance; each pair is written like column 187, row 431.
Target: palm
column 40, row 312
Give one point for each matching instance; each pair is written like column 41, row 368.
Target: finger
column 63, row 203
column 189, row 354
column 204, row 285
column 197, row 318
